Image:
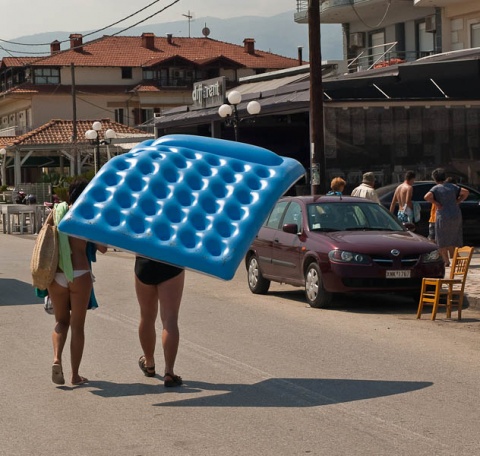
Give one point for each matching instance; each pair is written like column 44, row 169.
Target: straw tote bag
column 44, row 262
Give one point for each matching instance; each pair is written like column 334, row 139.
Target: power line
column 87, row 34
column 389, row 3
column 10, row 51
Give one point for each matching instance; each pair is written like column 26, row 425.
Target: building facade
column 125, row 78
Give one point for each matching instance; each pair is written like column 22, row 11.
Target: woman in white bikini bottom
column 61, row 279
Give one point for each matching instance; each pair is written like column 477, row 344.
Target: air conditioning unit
column 430, row 24
column 357, row 40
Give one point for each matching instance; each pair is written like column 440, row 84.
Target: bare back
column 403, row 196
column 79, row 253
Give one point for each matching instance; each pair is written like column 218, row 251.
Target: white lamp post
column 93, row 136
column 229, row 112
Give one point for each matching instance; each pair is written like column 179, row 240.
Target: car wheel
column 256, row 282
column 314, row 291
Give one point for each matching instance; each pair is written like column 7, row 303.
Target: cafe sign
column 208, row 93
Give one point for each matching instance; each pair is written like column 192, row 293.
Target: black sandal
column 149, row 371
column 175, row 380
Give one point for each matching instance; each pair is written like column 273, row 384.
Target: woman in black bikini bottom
column 159, row 283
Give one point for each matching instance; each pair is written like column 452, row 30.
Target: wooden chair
column 447, row 292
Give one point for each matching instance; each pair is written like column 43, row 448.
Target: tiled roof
column 6, row 141
column 60, row 132
column 47, row 89
column 128, row 51
column 17, row 61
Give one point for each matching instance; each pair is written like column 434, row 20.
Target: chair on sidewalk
column 447, row 292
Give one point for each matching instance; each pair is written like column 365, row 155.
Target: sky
column 29, row 17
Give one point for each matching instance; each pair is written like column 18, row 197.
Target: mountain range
column 278, row 34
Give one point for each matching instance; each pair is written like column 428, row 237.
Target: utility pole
column 317, row 141
column 76, row 169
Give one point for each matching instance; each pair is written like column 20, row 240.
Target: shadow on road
column 14, row 293
column 292, row 392
column 365, row 303
column 279, row 392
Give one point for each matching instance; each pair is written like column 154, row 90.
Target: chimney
column 54, row 47
column 169, row 38
column 76, row 41
column 300, row 55
column 249, row 45
column 148, row 40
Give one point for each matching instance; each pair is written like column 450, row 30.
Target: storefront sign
column 209, row 93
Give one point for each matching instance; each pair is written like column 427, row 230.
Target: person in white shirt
column 367, row 188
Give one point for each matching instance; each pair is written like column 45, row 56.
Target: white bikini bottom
column 61, row 279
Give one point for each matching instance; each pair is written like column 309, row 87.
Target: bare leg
column 170, row 295
column 444, row 253
column 148, row 301
column 60, row 297
column 80, row 291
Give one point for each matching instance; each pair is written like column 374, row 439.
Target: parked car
column 337, row 244
column 470, row 209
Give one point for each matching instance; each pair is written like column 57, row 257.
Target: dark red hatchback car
column 339, row 244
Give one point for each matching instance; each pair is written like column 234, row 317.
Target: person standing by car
column 337, row 186
column 446, row 197
column 367, row 188
column 403, row 196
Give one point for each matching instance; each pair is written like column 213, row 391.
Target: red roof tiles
column 60, row 132
column 130, row 51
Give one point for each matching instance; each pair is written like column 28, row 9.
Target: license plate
column 398, row 274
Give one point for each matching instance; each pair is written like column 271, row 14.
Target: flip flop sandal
column 57, row 374
column 149, row 371
column 81, row 382
column 175, row 380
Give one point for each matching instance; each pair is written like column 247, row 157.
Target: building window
column 424, row 40
column 149, row 75
column 46, row 76
column 475, row 35
column 127, row 73
column 119, row 116
column 377, row 46
column 146, row 115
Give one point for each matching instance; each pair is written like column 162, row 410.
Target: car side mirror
column 409, row 226
column 291, row 228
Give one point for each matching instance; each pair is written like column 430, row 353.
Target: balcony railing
column 383, row 55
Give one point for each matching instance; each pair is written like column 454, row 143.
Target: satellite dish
column 205, row 31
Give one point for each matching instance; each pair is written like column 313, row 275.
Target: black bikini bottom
column 152, row 272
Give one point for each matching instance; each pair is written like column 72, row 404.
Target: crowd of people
column 445, row 222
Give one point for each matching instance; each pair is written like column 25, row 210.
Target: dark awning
column 420, row 80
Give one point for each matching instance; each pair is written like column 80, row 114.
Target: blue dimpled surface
column 190, row 201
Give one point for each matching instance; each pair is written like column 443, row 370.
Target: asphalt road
column 264, row 375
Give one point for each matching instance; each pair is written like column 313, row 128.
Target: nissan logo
column 395, row 252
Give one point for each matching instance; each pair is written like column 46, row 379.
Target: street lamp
column 93, row 136
column 229, row 112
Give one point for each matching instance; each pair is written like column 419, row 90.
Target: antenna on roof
column 205, row 31
column 189, row 17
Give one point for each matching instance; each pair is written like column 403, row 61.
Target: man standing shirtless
column 403, row 196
